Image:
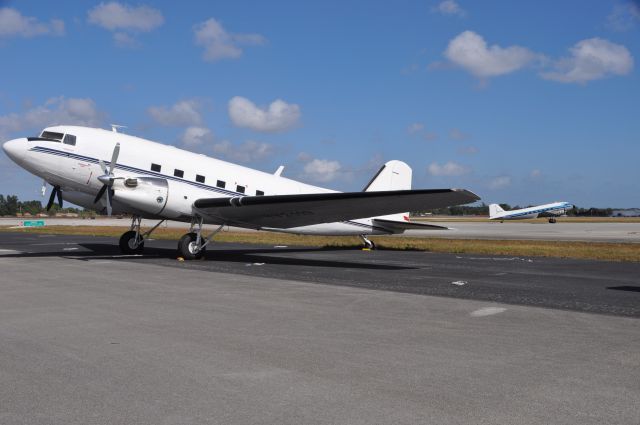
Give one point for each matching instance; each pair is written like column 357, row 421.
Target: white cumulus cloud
column 123, row 20
column 14, row 24
column 182, row 113
column 470, row 51
column 322, row 170
column 55, row 111
column 278, row 116
column 591, row 59
column 500, row 182
column 194, row 136
column 115, row 16
column 219, row 44
column 448, row 169
column 249, row 151
column 449, row 7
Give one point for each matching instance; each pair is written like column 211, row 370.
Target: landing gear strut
column 368, row 244
column 192, row 246
column 132, row 242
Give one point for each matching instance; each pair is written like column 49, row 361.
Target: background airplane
column 114, row 172
column 555, row 209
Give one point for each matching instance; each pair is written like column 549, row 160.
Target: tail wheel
column 129, row 244
column 188, row 249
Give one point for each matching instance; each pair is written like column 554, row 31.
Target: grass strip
column 627, row 252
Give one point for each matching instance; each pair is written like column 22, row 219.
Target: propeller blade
column 59, row 192
column 44, row 187
column 51, row 198
column 100, row 193
column 103, row 166
column 109, row 198
column 114, row 158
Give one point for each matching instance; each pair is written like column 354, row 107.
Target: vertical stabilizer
column 394, row 175
column 494, row 210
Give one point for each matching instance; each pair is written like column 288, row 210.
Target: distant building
column 628, row 212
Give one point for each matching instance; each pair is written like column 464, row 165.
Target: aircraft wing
column 286, row 211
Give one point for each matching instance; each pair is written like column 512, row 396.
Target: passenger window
column 155, row 167
column 259, row 193
column 69, row 139
column 240, row 189
column 178, row 173
column 199, row 178
column 53, row 136
column 221, row 184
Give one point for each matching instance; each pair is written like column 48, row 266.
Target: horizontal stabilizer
column 400, row 226
column 287, row 211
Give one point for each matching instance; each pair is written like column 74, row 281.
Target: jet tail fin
column 494, row 210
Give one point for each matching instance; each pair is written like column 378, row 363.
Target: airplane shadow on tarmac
column 98, row 251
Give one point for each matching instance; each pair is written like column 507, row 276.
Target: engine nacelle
column 145, row 194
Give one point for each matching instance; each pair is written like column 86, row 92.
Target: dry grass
column 472, row 219
column 583, row 250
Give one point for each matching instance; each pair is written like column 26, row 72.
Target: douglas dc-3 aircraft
column 117, row 173
column 555, row 209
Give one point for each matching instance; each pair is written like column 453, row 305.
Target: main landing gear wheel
column 368, row 244
column 188, row 247
column 131, row 243
column 552, row 220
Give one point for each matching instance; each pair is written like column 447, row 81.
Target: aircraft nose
column 15, row 149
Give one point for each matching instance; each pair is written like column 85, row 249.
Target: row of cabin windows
column 200, row 179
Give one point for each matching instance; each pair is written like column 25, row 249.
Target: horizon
column 514, row 103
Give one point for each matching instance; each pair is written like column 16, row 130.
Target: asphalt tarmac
column 579, row 285
column 294, row 335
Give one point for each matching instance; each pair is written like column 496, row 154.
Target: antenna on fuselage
column 116, row 127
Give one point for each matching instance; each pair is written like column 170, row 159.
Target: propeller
column 55, row 192
column 107, row 179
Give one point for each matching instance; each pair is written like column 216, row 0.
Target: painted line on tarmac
column 487, row 311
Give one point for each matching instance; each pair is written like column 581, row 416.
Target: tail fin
column 394, row 175
column 494, row 209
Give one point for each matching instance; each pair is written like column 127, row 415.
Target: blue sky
column 519, row 102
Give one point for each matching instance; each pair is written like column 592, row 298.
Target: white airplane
column 555, row 209
column 155, row 181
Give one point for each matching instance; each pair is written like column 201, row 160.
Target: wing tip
column 468, row 193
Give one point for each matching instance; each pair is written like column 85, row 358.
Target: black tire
column 127, row 243
column 552, row 220
column 185, row 249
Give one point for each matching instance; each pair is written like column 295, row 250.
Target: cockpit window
column 52, row 135
column 69, row 139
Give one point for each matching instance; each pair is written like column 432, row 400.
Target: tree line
column 11, row 205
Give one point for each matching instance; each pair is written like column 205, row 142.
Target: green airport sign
column 33, row 223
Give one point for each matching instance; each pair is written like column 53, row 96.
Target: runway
column 622, row 232
column 314, row 336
